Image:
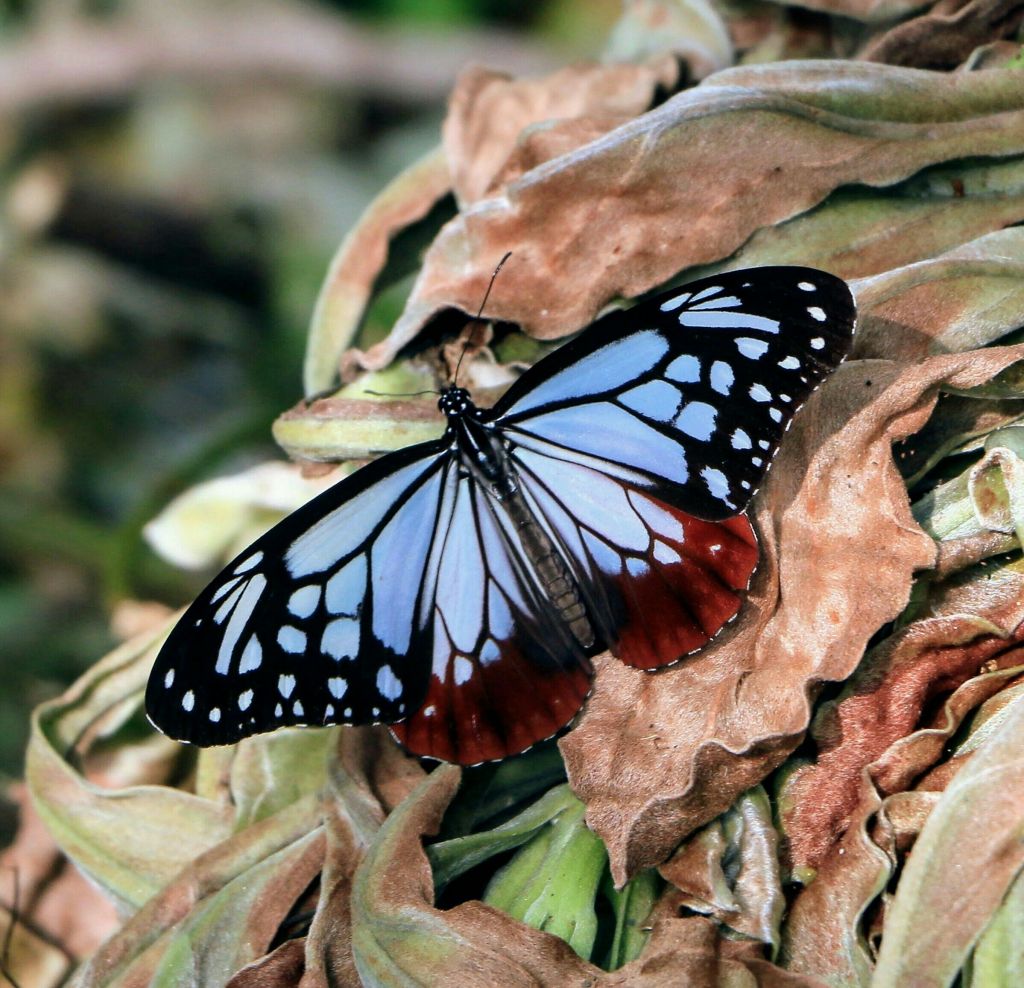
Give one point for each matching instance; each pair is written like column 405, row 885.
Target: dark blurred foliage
column 164, row 228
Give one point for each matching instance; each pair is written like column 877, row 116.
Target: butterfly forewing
column 689, row 393
column 309, row 625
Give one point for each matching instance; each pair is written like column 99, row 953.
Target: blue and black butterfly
column 457, row 589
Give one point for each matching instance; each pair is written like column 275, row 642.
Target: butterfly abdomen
column 551, row 569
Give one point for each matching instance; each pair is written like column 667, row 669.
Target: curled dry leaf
column 129, row 841
column 489, row 111
column 221, row 912
column 823, row 933
column 399, row 936
column 612, row 218
column 969, row 297
column 730, row 870
column 855, row 233
column 872, row 724
column 945, row 36
column 656, row 756
column 925, row 941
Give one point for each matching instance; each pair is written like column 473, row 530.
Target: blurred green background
column 176, row 176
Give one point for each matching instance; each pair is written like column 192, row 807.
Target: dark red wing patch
column 479, row 711
column 684, row 589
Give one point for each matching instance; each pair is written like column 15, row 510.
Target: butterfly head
column 455, row 402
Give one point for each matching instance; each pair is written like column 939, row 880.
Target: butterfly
column 457, row 590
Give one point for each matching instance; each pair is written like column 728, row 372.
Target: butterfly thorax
column 480, row 447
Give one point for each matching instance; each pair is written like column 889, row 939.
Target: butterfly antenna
column 479, row 312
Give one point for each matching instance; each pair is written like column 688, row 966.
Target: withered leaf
column 656, row 756
column 489, row 111
column 924, row 939
column 947, row 34
column 613, row 218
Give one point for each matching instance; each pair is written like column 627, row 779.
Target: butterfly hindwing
column 688, row 394
column 309, row 625
column 505, row 673
column 658, row 582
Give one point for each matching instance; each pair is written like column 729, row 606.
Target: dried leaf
column 925, row 941
column 882, row 705
column 730, row 870
column 692, row 30
column 946, row 35
column 860, row 232
column 489, row 111
column 969, row 297
column 656, row 756
column 581, row 227
column 399, row 937
column 129, row 841
column 360, row 259
column 221, row 912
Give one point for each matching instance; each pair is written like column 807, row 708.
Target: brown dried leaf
column 612, row 218
column 53, row 898
column 872, row 722
column 730, row 870
column 656, row 756
column 947, row 34
column 221, row 912
column 281, row 968
column 369, row 777
column 489, row 111
column 926, row 942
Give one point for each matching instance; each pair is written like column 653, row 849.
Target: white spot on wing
column 388, row 684
column 775, row 414
column 297, row 708
column 169, row 679
column 685, row 369
column 816, row 312
column 806, row 286
column 707, row 292
column 239, row 619
column 697, row 419
column 727, row 320
column 285, row 684
column 215, row 714
column 291, row 639
column 341, row 638
column 750, row 348
column 722, row 377
column 245, row 700
column 718, row 485
column 789, row 363
column 740, row 440
column 303, row 602
column 252, row 655
column 818, row 343
column 760, row 393
column 188, row 701
column 462, row 669
column 338, row 686
column 673, row 303
column 248, row 564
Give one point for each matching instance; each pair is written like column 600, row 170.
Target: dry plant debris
column 831, row 794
